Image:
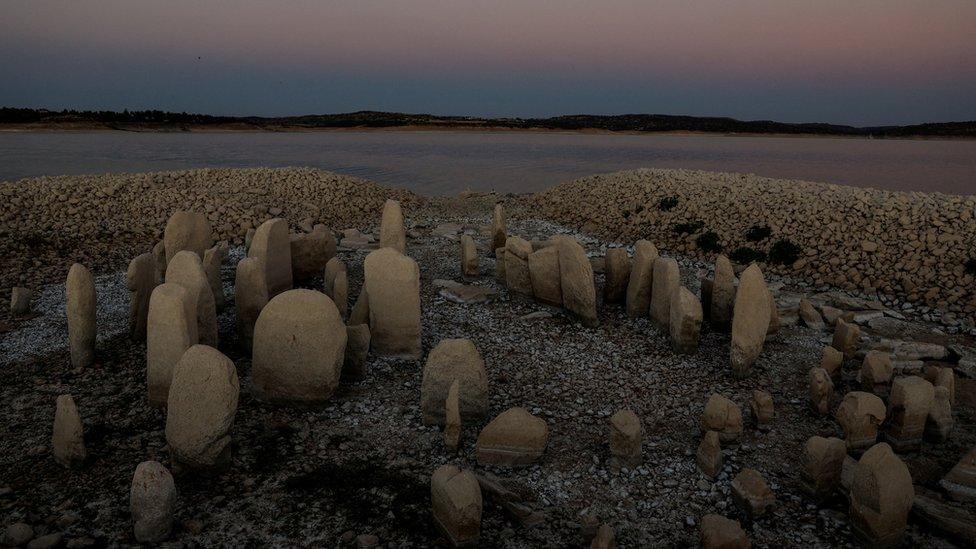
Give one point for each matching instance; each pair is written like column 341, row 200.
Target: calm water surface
column 447, row 162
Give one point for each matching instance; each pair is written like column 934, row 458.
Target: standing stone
column 498, row 230
column 392, row 232
column 201, row 408
column 544, row 276
column 750, row 320
column 859, row 415
column 832, row 361
column 68, row 438
column 626, row 435
column 773, row 315
column 311, row 252
column 20, row 301
column 641, row 276
column 911, row 399
column 469, row 256
column 172, row 330
column 616, row 275
column 452, row 413
column 152, row 502
column 685, row 323
column 945, row 377
column 960, row 482
column 140, row 279
column 846, row 338
column 248, row 238
column 159, row 258
column 299, row 342
column 881, row 497
column 810, row 316
column 186, row 269
column 751, row 494
column 393, row 285
column 822, row 464
column 939, row 424
column 456, row 503
column 709, row 455
column 454, row 359
column 250, row 296
column 876, row 372
column 514, row 438
column 723, row 294
column 821, row 390
column 357, row 348
column 576, row 280
column 666, row 279
column 517, row 276
column 500, row 265
column 723, row 416
column 187, row 231
column 272, row 245
column 340, row 293
column 718, row 532
column 212, row 259
column 360, row 310
column 80, row 288
column 761, row 406
column 332, row 269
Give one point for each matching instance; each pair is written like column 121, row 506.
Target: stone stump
column 450, row 360
column 68, row 437
column 81, row 303
column 392, row 281
column 751, row 494
column 832, row 361
column 20, row 301
column 452, row 413
column 140, row 280
column 876, row 373
column 272, row 245
column 821, row 390
column 456, row 505
column 960, row 482
column 750, row 321
column 822, row 464
column 172, row 329
column 332, row 269
column 761, row 406
column 709, row 454
column 626, row 436
column 641, row 276
column 469, row 256
column 340, row 293
column 718, row 532
column 939, row 423
column 810, row 316
column 500, row 265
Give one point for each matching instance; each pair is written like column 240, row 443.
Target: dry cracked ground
column 362, row 464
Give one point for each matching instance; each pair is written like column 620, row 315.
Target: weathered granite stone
column 718, row 532
column 881, row 497
column 152, row 502
column 641, row 277
column 140, row 279
column 876, row 372
column 20, row 301
column 939, row 423
column 723, row 294
column 340, row 293
column 360, row 310
column 187, row 231
column 751, row 494
column 945, row 377
column 392, row 232
column 454, row 359
column 498, row 230
column 456, row 505
column 500, row 265
column 821, row 390
column 186, row 269
column 666, row 279
column 616, row 275
column 960, row 482
column 452, row 417
column 709, row 455
column 544, row 276
column 822, row 465
column 272, row 245
column 392, row 281
column 685, row 324
column 250, row 296
column 299, row 343
column 514, row 438
column 750, row 321
column 311, row 252
column 81, row 301
column 859, row 415
column 810, row 316
column 68, row 438
column 626, row 435
column 723, row 416
column 911, row 400
column 332, row 269
column 200, row 409
column 576, row 280
column 846, row 338
column 357, row 348
column 159, row 258
column 761, row 406
column 832, row 361
column 604, row 538
column 469, row 256
column 773, row 315
column 172, row 329
column 212, row 259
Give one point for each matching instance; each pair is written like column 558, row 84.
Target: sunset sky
column 862, row 62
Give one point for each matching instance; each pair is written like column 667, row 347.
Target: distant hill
column 170, row 121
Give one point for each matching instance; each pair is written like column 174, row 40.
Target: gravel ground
column 362, row 464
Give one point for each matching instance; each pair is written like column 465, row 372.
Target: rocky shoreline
column 358, row 470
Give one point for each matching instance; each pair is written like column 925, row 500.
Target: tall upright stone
column 299, row 342
column 723, row 294
column 393, row 286
column 641, row 277
column 911, row 400
column 469, row 256
column 159, row 258
column 140, row 280
column 186, row 269
column 750, row 320
column 392, row 232
column 576, row 280
column 172, row 329
column 709, row 455
column 200, row 409
column 498, row 229
column 686, row 319
column 544, row 275
column 332, row 269
column 666, row 279
column 881, row 497
column 187, row 231
column 212, row 260
column 67, row 438
column 821, row 466
column 250, row 296
column 517, row 276
column 272, row 245
column 456, row 504
column 152, row 502
column 450, row 360
column 340, row 293
column 616, row 275
column 860, row 414
column 81, row 302
column 311, row 252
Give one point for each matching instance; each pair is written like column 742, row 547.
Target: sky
column 860, row 62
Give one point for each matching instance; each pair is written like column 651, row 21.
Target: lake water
column 437, row 162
